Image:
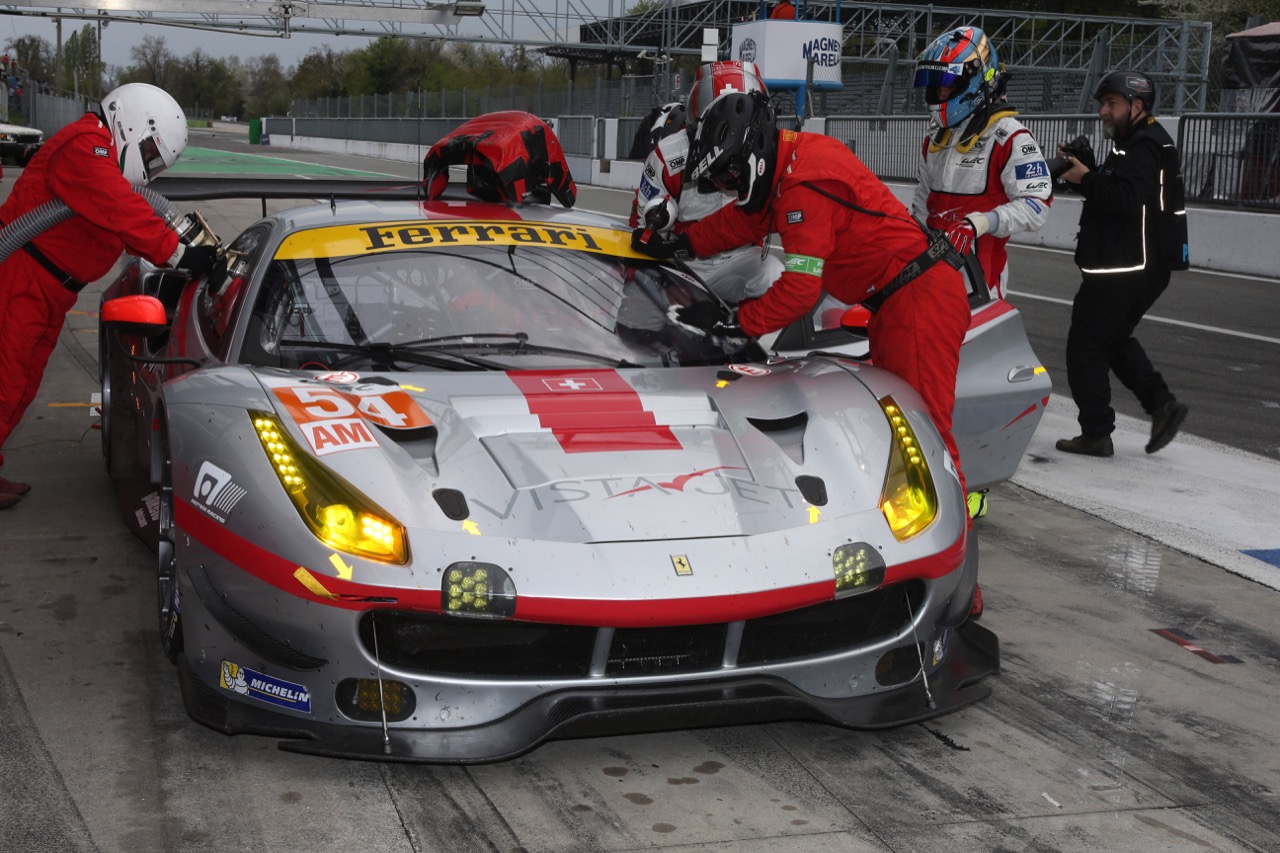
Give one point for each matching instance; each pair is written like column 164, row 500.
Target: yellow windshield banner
column 341, row 241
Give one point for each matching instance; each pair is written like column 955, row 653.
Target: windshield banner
column 340, row 241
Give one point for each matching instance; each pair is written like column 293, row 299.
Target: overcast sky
column 119, row 38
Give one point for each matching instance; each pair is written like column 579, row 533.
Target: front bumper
column 973, row 655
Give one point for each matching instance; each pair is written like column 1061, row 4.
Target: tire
column 104, row 381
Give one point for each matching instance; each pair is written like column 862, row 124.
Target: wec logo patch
column 101, row 152
column 795, row 217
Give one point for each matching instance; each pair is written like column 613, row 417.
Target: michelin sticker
column 265, row 688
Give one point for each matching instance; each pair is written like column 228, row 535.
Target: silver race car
column 437, row 481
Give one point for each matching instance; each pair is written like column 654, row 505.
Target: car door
column 1001, row 389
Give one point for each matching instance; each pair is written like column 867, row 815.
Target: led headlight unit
column 335, row 511
column 477, row 589
column 909, row 500
column 858, row 568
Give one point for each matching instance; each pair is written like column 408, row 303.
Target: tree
column 387, row 65
column 206, row 86
column 82, row 64
column 268, row 91
column 153, row 63
column 321, row 74
column 34, row 55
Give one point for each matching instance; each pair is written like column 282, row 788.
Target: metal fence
column 1231, row 159
column 890, row 145
column 577, row 135
column 627, row 129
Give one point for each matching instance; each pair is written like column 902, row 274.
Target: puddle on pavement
column 1133, row 565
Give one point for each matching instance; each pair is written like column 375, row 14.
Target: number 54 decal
column 335, row 419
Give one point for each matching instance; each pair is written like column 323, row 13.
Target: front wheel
column 168, row 610
column 104, row 401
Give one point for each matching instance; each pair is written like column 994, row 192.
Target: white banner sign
column 783, row 49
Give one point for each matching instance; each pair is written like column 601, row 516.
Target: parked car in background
column 18, row 143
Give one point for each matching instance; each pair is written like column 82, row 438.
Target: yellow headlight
column 335, row 511
column 909, row 500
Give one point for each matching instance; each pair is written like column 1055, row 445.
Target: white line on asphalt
column 1201, row 270
column 1197, row 326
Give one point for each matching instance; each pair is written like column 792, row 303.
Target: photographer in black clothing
column 1133, row 233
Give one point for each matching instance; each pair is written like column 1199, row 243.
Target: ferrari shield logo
column 681, row 563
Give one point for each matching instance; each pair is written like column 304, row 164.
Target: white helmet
column 149, row 128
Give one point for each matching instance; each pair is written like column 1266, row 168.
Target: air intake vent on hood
column 453, row 503
column 813, row 489
column 787, row 432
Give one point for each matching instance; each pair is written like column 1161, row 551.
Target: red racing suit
column 1001, row 173
column 80, row 166
column 917, row 332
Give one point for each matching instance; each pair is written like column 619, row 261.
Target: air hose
column 29, row 225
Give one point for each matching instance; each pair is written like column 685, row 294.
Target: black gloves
column 198, row 260
column 663, row 247
column 708, row 318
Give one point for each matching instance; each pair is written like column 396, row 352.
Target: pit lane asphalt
column 1100, row 733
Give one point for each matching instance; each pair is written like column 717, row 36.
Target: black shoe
column 1086, row 446
column 1165, row 423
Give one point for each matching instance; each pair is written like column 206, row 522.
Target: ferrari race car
column 440, row 480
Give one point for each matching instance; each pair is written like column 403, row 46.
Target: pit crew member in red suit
column 665, row 202
column 982, row 174
column 92, row 165
column 842, row 232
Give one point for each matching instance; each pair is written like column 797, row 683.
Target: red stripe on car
column 628, row 613
column 592, row 411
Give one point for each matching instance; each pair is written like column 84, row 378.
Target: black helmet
column 1129, row 85
column 735, row 147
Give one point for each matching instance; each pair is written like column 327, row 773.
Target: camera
column 1079, row 148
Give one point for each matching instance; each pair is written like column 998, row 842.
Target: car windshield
column 476, row 307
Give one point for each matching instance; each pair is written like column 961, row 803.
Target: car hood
column 598, row 455
column 16, row 129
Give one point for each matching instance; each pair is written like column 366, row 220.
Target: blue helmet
column 964, row 60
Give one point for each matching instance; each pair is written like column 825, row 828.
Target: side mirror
column 135, row 315
column 855, row 320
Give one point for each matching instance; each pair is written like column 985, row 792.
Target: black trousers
column 1100, row 342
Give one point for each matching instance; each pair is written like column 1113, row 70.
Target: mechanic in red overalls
column 92, row 166
column 842, row 231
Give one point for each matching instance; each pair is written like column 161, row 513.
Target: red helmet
column 722, row 78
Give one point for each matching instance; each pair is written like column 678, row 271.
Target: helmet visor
column 729, row 180
column 152, row 159
column 931, row 75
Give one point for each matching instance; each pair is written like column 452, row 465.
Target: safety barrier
column 1231, row 159
column 406, row 131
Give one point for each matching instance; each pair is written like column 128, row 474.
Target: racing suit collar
column 973, row 131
